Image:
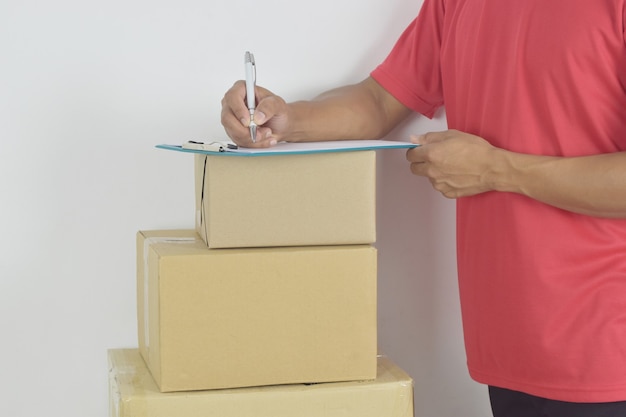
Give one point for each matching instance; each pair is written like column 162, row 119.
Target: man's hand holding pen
column 270, row 117
column 251, row 115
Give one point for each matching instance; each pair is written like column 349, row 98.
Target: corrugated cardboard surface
column 286, row 200
column 223, row 318
column 133, row 393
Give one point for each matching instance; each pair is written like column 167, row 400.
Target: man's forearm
column 592, row 185
column 359, row 111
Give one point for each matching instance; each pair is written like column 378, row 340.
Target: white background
column 86, row 91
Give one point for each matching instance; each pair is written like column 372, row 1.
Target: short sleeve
column 411, row 72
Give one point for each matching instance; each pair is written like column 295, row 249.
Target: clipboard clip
column 215, row 146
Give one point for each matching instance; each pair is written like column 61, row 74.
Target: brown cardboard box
column 133, row 393
column 226, row 318
column 286, row 200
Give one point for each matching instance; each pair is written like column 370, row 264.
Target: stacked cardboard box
column 277, row 285
column 133, row 393
column 286, row 200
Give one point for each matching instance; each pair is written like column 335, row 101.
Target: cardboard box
column 133, row 393
column 286, row 200
column 226, row 318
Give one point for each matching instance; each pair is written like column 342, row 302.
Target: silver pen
column 250, row 96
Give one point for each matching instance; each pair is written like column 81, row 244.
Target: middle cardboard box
column 229, row 318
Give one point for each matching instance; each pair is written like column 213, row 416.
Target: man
column 535, row 96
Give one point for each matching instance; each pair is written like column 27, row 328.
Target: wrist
column 504, row 172
column 298, row 129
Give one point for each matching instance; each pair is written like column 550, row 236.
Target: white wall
column 86, row 91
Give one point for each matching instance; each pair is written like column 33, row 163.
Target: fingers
column 432, row 137
column 236, row 116
column 456, row 163
column 234, row 111
column 420, row 157
column 417, row 154
column 421, row 154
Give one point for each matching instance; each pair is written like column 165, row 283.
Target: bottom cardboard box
column 133, row 393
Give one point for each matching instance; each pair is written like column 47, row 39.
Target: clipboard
column 227, row 148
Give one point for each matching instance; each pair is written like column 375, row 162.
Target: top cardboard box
column 286, row 200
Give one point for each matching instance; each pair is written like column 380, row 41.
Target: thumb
column 429, row 137
column 422, row 139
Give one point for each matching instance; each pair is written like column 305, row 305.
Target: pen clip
column 250, row 81
column 250, row 60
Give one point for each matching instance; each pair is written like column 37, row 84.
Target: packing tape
column 403, row 405
column 115, row 396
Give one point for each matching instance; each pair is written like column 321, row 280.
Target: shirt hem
column 569, row 394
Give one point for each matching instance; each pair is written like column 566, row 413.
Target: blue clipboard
column 226, row 148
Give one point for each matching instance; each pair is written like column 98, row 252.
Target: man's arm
column 593, row 185
column 360, row 111
column 460, row 165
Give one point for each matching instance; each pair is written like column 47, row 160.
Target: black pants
column 507, row 403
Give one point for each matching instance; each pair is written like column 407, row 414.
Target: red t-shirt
column 543, row 290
